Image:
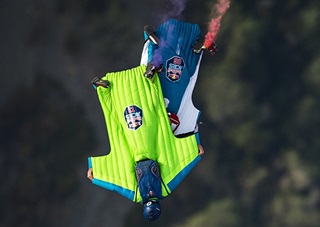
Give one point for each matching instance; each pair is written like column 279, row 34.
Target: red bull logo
column 174, row 67
column 133, row 117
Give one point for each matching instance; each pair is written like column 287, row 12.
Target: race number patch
column 133, row 117
column 174, row 67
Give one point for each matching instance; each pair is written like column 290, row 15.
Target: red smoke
column 219, row 9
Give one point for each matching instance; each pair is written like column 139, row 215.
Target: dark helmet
column 151, row 210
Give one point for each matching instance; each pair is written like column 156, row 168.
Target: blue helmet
column 151, row 210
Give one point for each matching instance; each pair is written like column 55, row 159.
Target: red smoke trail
column 219, row 9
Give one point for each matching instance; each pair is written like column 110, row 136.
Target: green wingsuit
column 138, row 129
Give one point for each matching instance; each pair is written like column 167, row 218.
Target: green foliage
column 259, row 97
column 219, row 213
column 262, row 100
column 295, row 203
column 44, row 137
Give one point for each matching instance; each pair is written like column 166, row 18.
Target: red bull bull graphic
column 175, row 66
column 133, row 117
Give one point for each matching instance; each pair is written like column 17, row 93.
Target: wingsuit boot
column 152, row 69
column 96, row 82
column 151, row 34
column 199, row 46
